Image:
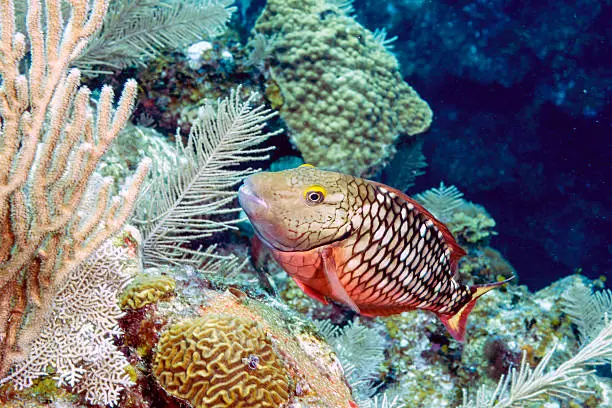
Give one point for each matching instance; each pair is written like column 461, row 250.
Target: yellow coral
column 472, row 223
column 344, row 97
column 145, row 290
column 220, row 360
column 315, row 376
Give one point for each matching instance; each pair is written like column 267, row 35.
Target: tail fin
column 456, row 323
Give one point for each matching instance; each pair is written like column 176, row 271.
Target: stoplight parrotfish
column 360, row 243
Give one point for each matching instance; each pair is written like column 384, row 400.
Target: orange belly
column 306, row 269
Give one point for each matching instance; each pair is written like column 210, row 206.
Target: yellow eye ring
column 314, row 194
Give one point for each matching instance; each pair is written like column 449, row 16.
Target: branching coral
column 77, row 341
column 50, row 144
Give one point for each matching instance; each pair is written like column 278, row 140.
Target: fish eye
column 314, row 195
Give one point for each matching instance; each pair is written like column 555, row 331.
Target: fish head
column 298, row 209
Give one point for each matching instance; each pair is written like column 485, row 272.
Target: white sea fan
column 77, row 339
column 441, row 201
column 192, row 201
column 524, row 384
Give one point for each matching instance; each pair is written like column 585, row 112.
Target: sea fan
column 588, row 309
column 360, row 349
column 137, row 30
column 191, row 203
column 441, row 201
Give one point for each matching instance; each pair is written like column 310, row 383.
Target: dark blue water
column 521, row 96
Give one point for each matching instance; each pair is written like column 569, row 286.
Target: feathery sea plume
column 360, row 350
column 191, row 203
column 588, row 310
column 135, row 31
column 441, row 201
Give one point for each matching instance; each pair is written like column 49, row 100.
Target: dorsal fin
column 456, row 251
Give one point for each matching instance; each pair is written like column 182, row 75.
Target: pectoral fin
column 316, row 295
column 337, row 290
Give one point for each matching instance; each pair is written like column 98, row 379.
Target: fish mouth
column 250, row 202
column 257, row 209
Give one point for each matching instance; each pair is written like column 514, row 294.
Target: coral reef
column 532, row 382
column 472, row 224
column 54, row 211
column 344, row 98
column 206, row 328
column 301, row 364
column 145, row 290
column 77, row 340
column 430, row 368
column 236, row 364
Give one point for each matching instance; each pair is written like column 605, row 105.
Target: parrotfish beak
column 253, row 197
column 251, row 203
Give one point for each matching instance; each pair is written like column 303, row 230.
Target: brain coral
column 219, row 361
column 344, row 98
column 145, row 290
